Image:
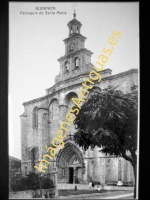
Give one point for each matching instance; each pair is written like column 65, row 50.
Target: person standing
column 90, row 185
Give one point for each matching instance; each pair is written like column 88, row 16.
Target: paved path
column 96, row 196
column 86, row 187
column 115, row 197
column 110, row 195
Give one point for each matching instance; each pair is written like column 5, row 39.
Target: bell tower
column 77, row 58
column 74, row 25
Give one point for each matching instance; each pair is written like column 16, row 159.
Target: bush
column 18, row 184
column 31, row 182
column 47, row 183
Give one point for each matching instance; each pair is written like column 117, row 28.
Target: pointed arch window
column 35, row 117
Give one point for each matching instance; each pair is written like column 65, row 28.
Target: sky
column 36, row 42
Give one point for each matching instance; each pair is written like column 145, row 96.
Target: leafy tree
column 108, row 119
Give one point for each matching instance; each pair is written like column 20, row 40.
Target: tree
column 108, row 119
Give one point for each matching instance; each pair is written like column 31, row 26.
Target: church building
column 42, row 118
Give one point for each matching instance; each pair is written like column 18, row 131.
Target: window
column 66, row 66
column 76, row 60
column 72, row 46
column 35, row 117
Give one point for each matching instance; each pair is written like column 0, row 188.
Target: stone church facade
column 42, row 117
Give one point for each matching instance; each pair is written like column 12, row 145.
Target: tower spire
column 74, row 14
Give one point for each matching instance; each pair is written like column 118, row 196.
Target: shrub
column 47, row 183
column 31, row 182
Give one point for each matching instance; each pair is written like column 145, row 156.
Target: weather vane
column 74, row 14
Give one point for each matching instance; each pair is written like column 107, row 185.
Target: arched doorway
column 70, row 164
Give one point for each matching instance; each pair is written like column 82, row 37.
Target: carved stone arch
column 68, row 153
column 53, row 99
column 74, row 158
column 70, row 163
column 54, row 108
column 68, row 97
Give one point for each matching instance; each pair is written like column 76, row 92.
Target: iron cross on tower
column 74, row 14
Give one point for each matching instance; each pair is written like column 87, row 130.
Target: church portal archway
column 70, row 164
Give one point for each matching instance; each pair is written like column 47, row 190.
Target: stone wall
column 52, row 111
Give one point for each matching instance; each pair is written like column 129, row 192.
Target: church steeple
column 77, row 59
column 74, row 14
column 74, row 26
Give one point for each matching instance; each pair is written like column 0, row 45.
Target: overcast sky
column 36, row 42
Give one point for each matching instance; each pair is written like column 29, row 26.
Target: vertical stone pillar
column 124, row 167
column 129, row 173
column 45, row 131
column 132, row 176
column 62, row 112
column 23, row 121
column 123, row 172
column 90, row 164
column 119, row 170
column 40, row 133
column 79, row 29
column 119, row 173
column 66, row 48
column 85, row 178
column 69, row 31
column 71, row 64
column 74, row 28
column 102, row 171
column 56, row 186
column 74, row 175
column 61, row 68
column 96, row 164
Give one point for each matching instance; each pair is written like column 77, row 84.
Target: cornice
column 74, row 21
column 83, row 50
column 129, row 72
column 24, row 114
column 74, row 36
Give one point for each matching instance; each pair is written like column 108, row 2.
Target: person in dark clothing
column 93, row 184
